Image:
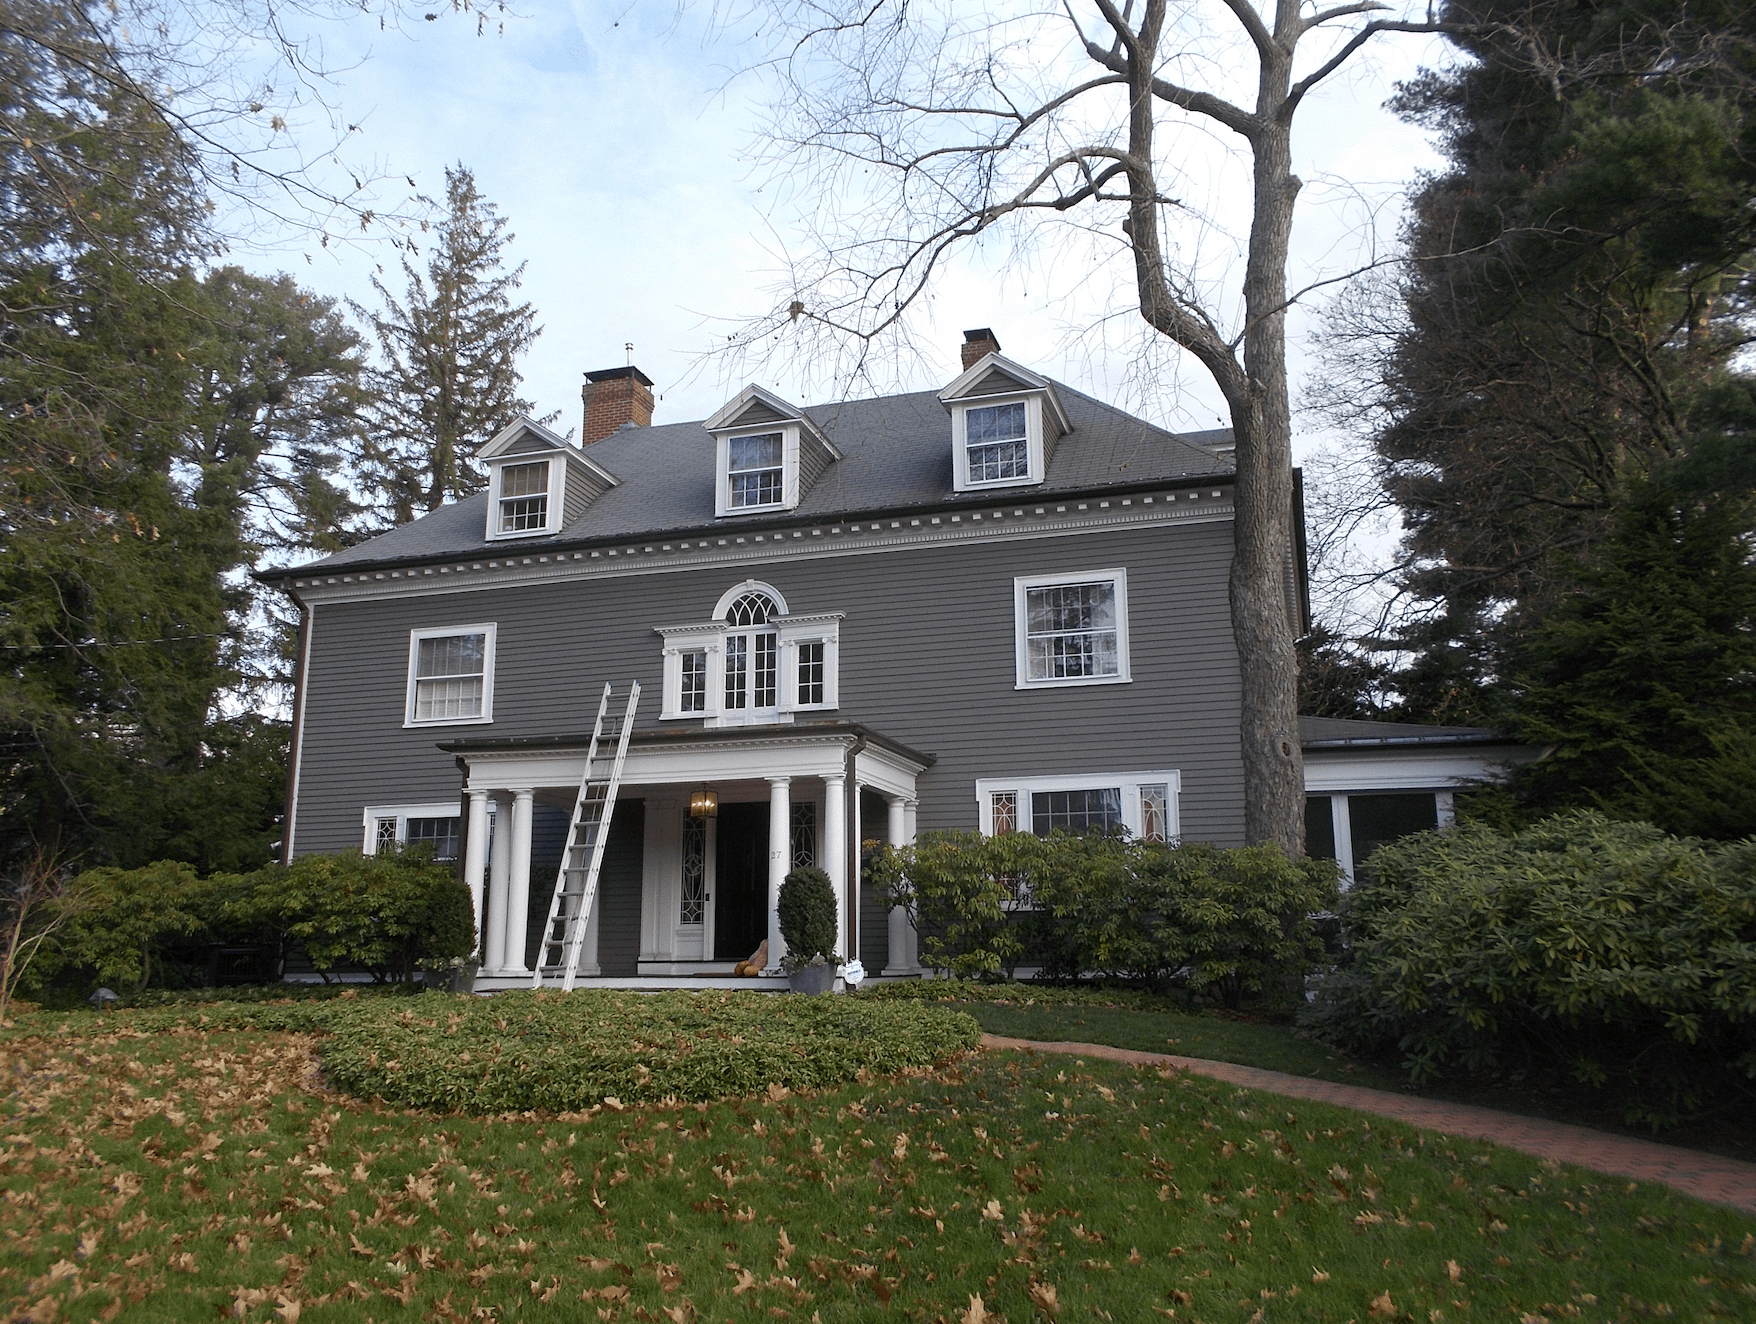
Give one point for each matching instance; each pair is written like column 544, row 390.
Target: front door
column 740, row 900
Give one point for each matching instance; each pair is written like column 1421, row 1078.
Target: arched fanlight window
column 751, row 609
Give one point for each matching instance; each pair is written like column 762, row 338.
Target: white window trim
column 440, row 632
column 1033, row 425
column 1128, row 782
column 556, row 490
column 789, row 468
column 1021, row 623
column 402, row 814
column 710, row 637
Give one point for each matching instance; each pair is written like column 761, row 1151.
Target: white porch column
column 499, row 882
column 900, row 829
column 780, row 852
column 475, row 854
column 835, row 852
column 518, row 889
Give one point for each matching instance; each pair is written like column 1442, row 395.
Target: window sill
column 522, row 533
column 1071, row 681
column 990, row 483
column 411, row 723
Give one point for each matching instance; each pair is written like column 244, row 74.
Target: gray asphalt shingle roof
column 897, row 454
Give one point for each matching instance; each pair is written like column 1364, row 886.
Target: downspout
column 850, row 816
column 288, row 816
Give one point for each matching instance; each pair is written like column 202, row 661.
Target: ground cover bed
column 156, row 1168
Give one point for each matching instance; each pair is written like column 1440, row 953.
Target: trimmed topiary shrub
column 564, row 1052
column 1603, row 954
column 807, row 917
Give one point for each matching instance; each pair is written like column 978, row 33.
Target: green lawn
column 1252, row 1043
column 185, row 1174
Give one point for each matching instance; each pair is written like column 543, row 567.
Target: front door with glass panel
column 740, row 887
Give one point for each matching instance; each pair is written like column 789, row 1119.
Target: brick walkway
column 1704, row 1176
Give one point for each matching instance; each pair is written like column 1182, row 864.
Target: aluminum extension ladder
column 576, row 882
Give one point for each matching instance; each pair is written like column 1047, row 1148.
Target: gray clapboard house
column 998, row 605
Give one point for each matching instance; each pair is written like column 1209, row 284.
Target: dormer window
column 1005, row 421
column 753, row 662
column 538, row 483
column 524, row 497
column 755, row 471
column 998, row 442
column 767, row 454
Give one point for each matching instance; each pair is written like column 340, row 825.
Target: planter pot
column 812, row 979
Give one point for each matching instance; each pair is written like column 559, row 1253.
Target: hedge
column 1607, row 955
column 564, row 1052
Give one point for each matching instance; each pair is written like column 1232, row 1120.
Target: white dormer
column 1005, row 420
column 766, row 455
column 538, row 483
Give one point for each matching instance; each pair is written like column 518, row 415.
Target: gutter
column 289, row 811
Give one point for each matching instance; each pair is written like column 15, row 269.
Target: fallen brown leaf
column 1382, row 1306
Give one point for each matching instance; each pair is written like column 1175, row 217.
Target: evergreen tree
column 1577, row 280
column 1642, row 683
column 449, row 347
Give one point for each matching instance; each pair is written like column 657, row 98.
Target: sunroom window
column 1142, row 804
column 755, row 472
column 524, row 497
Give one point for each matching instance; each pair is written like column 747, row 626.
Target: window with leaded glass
column 384, row 836
column 440, row 833
column 810, row 673
column 692, row 698
column 998, row 442
column 694, row 904
column 524, row 497
column 1076, row 811
column 754, row 471
column 804, row 835
column 1005, row 804
column 450, row 675
column 1154, row 812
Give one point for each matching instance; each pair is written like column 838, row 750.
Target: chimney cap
column 981, row 334
column 611, row 374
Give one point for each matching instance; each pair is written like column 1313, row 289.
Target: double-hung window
column 1071, row 629
column 755, row 471
column 451, row 676
column 524, row 497
column 997, row 441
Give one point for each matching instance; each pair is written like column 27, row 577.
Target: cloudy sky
column 623, row 149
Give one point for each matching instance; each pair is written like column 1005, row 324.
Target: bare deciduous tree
column 923, row 127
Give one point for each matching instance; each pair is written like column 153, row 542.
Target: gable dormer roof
column 756, row 405
column 580, row 481
column 994, row 374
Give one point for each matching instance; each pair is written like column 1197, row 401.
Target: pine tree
column 449, row 377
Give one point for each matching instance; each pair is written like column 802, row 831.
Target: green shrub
column 959, row 889
column 806, row 909
column 121, row 921
column 1218, row 922
column 389, row 914
column 1608, row 953
column 563, row 1052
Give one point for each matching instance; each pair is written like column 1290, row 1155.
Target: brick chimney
column 977, row 345
column 614, row 396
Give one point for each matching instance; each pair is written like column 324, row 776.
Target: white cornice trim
column 1003, row 521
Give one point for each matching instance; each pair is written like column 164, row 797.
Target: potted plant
column 807, row 923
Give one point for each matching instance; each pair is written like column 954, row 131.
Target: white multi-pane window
column 753, row 662
column 1071, row 629
column 1142, row 804
column 997, row 442
column 393, row 827
column 524, row 497
column 755, row 471
column 451, row 676
column 692, row 695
